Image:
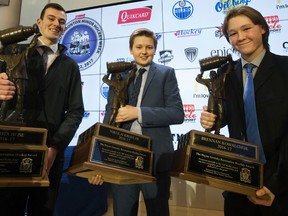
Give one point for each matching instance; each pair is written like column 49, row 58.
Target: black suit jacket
column 271, row 95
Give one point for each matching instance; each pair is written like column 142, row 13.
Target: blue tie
column 136, row 88
column 252, row 130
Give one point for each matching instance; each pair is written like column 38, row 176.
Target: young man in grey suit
column 159, row 105
column 247, row 31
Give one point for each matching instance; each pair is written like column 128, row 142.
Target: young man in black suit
column 247, row 31
column 53, row 100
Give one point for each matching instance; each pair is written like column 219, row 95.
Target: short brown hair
column 51, row 5
column 142, row 32
column 254, row 15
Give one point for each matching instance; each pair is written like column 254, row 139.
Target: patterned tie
column 136, row 88
column 252, row 130
column 45, row 53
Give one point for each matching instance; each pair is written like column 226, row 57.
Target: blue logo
column 104, row 90
column 182, row 10
column 84, row 39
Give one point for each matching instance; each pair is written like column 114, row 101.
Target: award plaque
column 217, row 161
column 120, row 156
column 23, row 156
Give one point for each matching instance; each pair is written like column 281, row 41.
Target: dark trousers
column 35, row 200
column 239, row 205
column 156, row 196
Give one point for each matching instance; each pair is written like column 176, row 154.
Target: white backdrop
column 179, row 25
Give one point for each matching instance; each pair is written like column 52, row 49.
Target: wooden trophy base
column 220, row 162
column 114, row 154
column 23, row 157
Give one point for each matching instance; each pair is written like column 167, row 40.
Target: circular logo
column 84, row 39
column 182, row 9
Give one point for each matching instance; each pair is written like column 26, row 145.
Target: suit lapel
column 150, row 76
column 264, row 71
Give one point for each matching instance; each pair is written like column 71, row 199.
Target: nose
column 56, row 22
column 241, row 35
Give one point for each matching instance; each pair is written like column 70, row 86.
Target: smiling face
column 245, row 37
column 143, row 50
column 52, row 25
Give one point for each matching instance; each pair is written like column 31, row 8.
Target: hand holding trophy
column 213, row 159
column 23, row 150
column 108, row 152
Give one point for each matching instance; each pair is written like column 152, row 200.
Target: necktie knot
column 249, row 67
column 141, row 71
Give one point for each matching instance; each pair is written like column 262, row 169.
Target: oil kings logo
column 135, row 15
column 84, row 39
column 182, row 9
column 225, row 5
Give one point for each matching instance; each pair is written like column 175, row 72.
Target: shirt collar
column 53, row 47
column 255, row 61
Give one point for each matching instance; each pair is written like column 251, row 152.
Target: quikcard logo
column 135, row 15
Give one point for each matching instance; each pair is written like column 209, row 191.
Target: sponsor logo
column 280, row 6
column 190, row 115
column 225, row 5
column 86, row 114
column 182, row 9
column 176, row 137
column 188, row 32
column 165, row 56
column 222, row 52
column 158, row 36
column 191, row 53
column 285, row 46
column 273, row 23
column 84, row 39
column 104, row 89
column 135, row 15
column 219, row 32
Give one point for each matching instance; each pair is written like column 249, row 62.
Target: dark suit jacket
column 271, row 95
column 161, row 107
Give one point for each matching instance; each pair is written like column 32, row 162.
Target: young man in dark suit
column 247, row 31
column 53, row 100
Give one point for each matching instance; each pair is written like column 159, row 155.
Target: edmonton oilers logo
column 182, row 9
column 84, row 39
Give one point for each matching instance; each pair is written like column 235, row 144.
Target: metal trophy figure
column 119, row 85
column 13, row 62
column 215, row 85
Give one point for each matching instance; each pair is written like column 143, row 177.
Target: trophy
column 23, row 150
column 213, row 159
column 120, row 156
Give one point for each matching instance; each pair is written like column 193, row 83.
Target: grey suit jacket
column 161, row 107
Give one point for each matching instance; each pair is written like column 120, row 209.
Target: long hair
column 254, row 15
